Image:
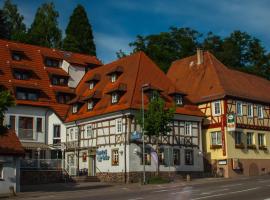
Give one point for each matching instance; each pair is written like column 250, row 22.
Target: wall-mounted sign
column 102, row 155
column 231, row 125
column 222, row 162
column 84, row 157
column 136, row 136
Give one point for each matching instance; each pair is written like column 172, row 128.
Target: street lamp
column 144, row 86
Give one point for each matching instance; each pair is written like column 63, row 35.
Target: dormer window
column 52, row 62
column 21, row 75
column 178, row 100
column 75, row 108
column 91, row 85
column 113, row 78
column 17, row 56
column 90, row 105
column 56, row 80
column 115, row 97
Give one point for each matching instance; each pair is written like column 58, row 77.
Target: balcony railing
column 31, row 135
column 41, row 164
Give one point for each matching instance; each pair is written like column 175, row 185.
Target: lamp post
column 143, row 87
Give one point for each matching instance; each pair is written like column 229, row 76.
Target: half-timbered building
column 103, row 137
column 236, row 108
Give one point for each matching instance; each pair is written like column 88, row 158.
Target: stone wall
column 32, row 177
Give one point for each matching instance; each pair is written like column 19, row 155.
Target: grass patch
column 157, row 180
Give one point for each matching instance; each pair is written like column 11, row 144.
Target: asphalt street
column 255, row 188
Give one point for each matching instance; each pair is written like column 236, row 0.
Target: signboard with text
column 231, row 125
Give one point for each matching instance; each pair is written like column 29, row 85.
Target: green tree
column 157, row 120
column 212, row 43
column 4, row 32
column 17, row 28
column 44, row 30
column 79, row 36
column 6, row 100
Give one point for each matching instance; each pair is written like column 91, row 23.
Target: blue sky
column 117, row 22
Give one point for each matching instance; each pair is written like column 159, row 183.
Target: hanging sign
column 231, row 125
column 136, row 136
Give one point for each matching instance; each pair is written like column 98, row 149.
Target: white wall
column 76, row 74
column 53, row 119
column 10, row 173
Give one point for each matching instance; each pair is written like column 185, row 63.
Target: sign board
column 136, row 136
column 102, row 155
column 222, row 162
column 231, row 125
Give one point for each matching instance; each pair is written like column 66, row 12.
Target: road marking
column 204, row 193
column 181, row 192
column 136, row 198
column 263, row 181
column 224, row 186
column 217, row 195
column 160, row 191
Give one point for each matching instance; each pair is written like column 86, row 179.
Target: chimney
column 199, row 56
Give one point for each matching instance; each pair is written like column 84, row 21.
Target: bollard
column 188, row 178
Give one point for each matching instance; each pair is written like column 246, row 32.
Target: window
column 216, row 108
column 239, row 108
column 238, row 137
column 249, row 138
column 216, row 138
column 113, row 78
column 161, row 156
column 59, row 81
column 76, row 133
column 1, row 171
column 115, row 97
column 261, row 139
column 146, row 157
column 250, row 110
column 90, row 105
column 179, row 100
column 63, row 98
column 176, row 156
column 115, row 157
column 71, row 134
column 21, row 75
column 12, row 122
column 39, row 124
column 26, row 128
column 24, row 95
column 119, row 126
column 75, row 108
column 91, row 85
column 188, row 128
column 89, row 131
column 52, row 62
column 188, row 157
column 260, row 111
column 17, row 56
column 56, row 134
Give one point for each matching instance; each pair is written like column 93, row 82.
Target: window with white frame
column 75, row 108
column 71, row 135
column 56, row 134
column 260, row 111
column 250, row 138
column 1, row 171
column 91, row 85
column 89, row 131
column 239, row 108
column 76, row 133
column 188, row 128
column 90, row 105
column 250, row 110
column 178, row 100
column 113, row 78
column 115, row 97
column 189, row 157
column 216, row 138
column 238, row 137
column 119, row 126
column 261, row 140
column 115, row 157
column 216, row 105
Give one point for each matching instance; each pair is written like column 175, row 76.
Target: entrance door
column 92, row 165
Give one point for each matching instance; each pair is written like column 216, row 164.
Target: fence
column 41, row 164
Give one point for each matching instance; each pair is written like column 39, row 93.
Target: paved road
column 255, row 188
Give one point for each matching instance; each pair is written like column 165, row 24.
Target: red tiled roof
column 138, row 70
column 10, row 144
column 213, row 80
column 35, row 61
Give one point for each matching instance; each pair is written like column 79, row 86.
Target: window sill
column 215, row 146
column 251, row 146
column 263, row 148
column 239, row 146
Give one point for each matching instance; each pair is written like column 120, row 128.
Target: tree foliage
column 239, row 50
column 44, row 30
column 79, row 36
column 4, row 32
column 6, row 100
column 16, row 27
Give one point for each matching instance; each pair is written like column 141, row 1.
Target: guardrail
column 41, row 163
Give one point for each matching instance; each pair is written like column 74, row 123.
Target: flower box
column 215, row 146
column 263, row 147
column 239, row 146
column 251, row 146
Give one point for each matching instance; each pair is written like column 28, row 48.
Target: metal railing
column 41, row 164
column 31, row 135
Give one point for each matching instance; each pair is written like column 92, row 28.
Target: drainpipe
column 78, row 152
column 125, row 150
column 46, row 128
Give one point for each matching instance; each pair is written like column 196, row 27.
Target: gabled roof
column 212, row 80
column 35, row 62
column 9, row 143
column 137, row 70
